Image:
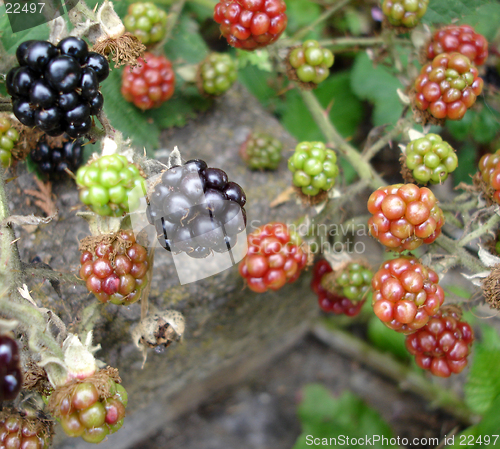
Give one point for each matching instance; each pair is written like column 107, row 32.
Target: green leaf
column 327, row 418
column 258, row 58
column 302, row 13
column 186, row 44
column 379, row 87
column 467, row 165
column 386, row 339
column 483, row 382
column 257, row 81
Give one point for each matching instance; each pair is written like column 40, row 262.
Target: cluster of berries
column 216, row 74
column 10, row 371
column 147, row 22
column 261, row 151
column 458, row 38
column 311, row 62
column 489, row 168
column 344, row 293
column 8, row 137
column 442, row 345
column 447, row 86
column 197, row 210
column 56, row 161
column 406, row 13
column 18, row 432
column 57, row 88
column 115, row 271
column 83, row 413
column 274, row 257
column 251, row 24
column 406, row 294
column 149, row 84
column 314, row 167
column 111, row 185
column 430, row 159
column 404, row 216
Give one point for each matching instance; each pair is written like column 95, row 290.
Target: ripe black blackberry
column 57, row 88
column 54, row 161
column 10, row 372
column 196, row 209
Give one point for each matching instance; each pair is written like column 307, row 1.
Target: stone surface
column 229, row 329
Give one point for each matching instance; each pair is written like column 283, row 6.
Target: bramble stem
column 360, row 41
column 461, row 254
column 329, row 12
column 406, row 377
column 489, row 225
column 371, row 151
column 5, row 104
column 363, row 168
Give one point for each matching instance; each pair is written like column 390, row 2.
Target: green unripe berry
column 422, row 174
column 146, row 21
column 217, row 73
column 8, row 138
column 311, row 62
column 405, row 13
column 313, row 167
column 261, row 151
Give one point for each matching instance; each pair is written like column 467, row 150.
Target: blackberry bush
column 274, row 257
column 406, row 13
column 56, row 89
column 261, row 151
column 10, row 372
column 110, row 185
column 443, row 344
column 196, row 209
column 147, row 22
column 150, row 83
column 251, row 24
column 430, row 159
column 311, row 62
column 115, row 267
column 55, row 161
column 341, row 293
column 406, row 294
column 314, row 168
column 461, row 39
column 8, row 138
column 216, row 74
column 404, row 216
column 447, row 86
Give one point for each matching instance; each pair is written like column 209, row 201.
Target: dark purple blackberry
column 195, row 209
column 57, row 88
column 39, row 54
column 99, row 64
column 10, row 371
column 74, row 47
column 54, row 161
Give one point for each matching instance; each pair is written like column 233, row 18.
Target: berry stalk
column 364, row 169
column 407, row 378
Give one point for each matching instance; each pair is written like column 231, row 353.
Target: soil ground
column 261, row 413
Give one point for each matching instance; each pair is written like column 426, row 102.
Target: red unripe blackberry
column 443, row 344
column 489, row 167
column 274, row 257
column 459, row 38
column 116, row 272
column 20, row 432
column 447, row 86
column 150, row 83
column 10, row 372
column 406, row 294
column 84, row 411
column 251, row 24
column 332, row 301
column 404, row 216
